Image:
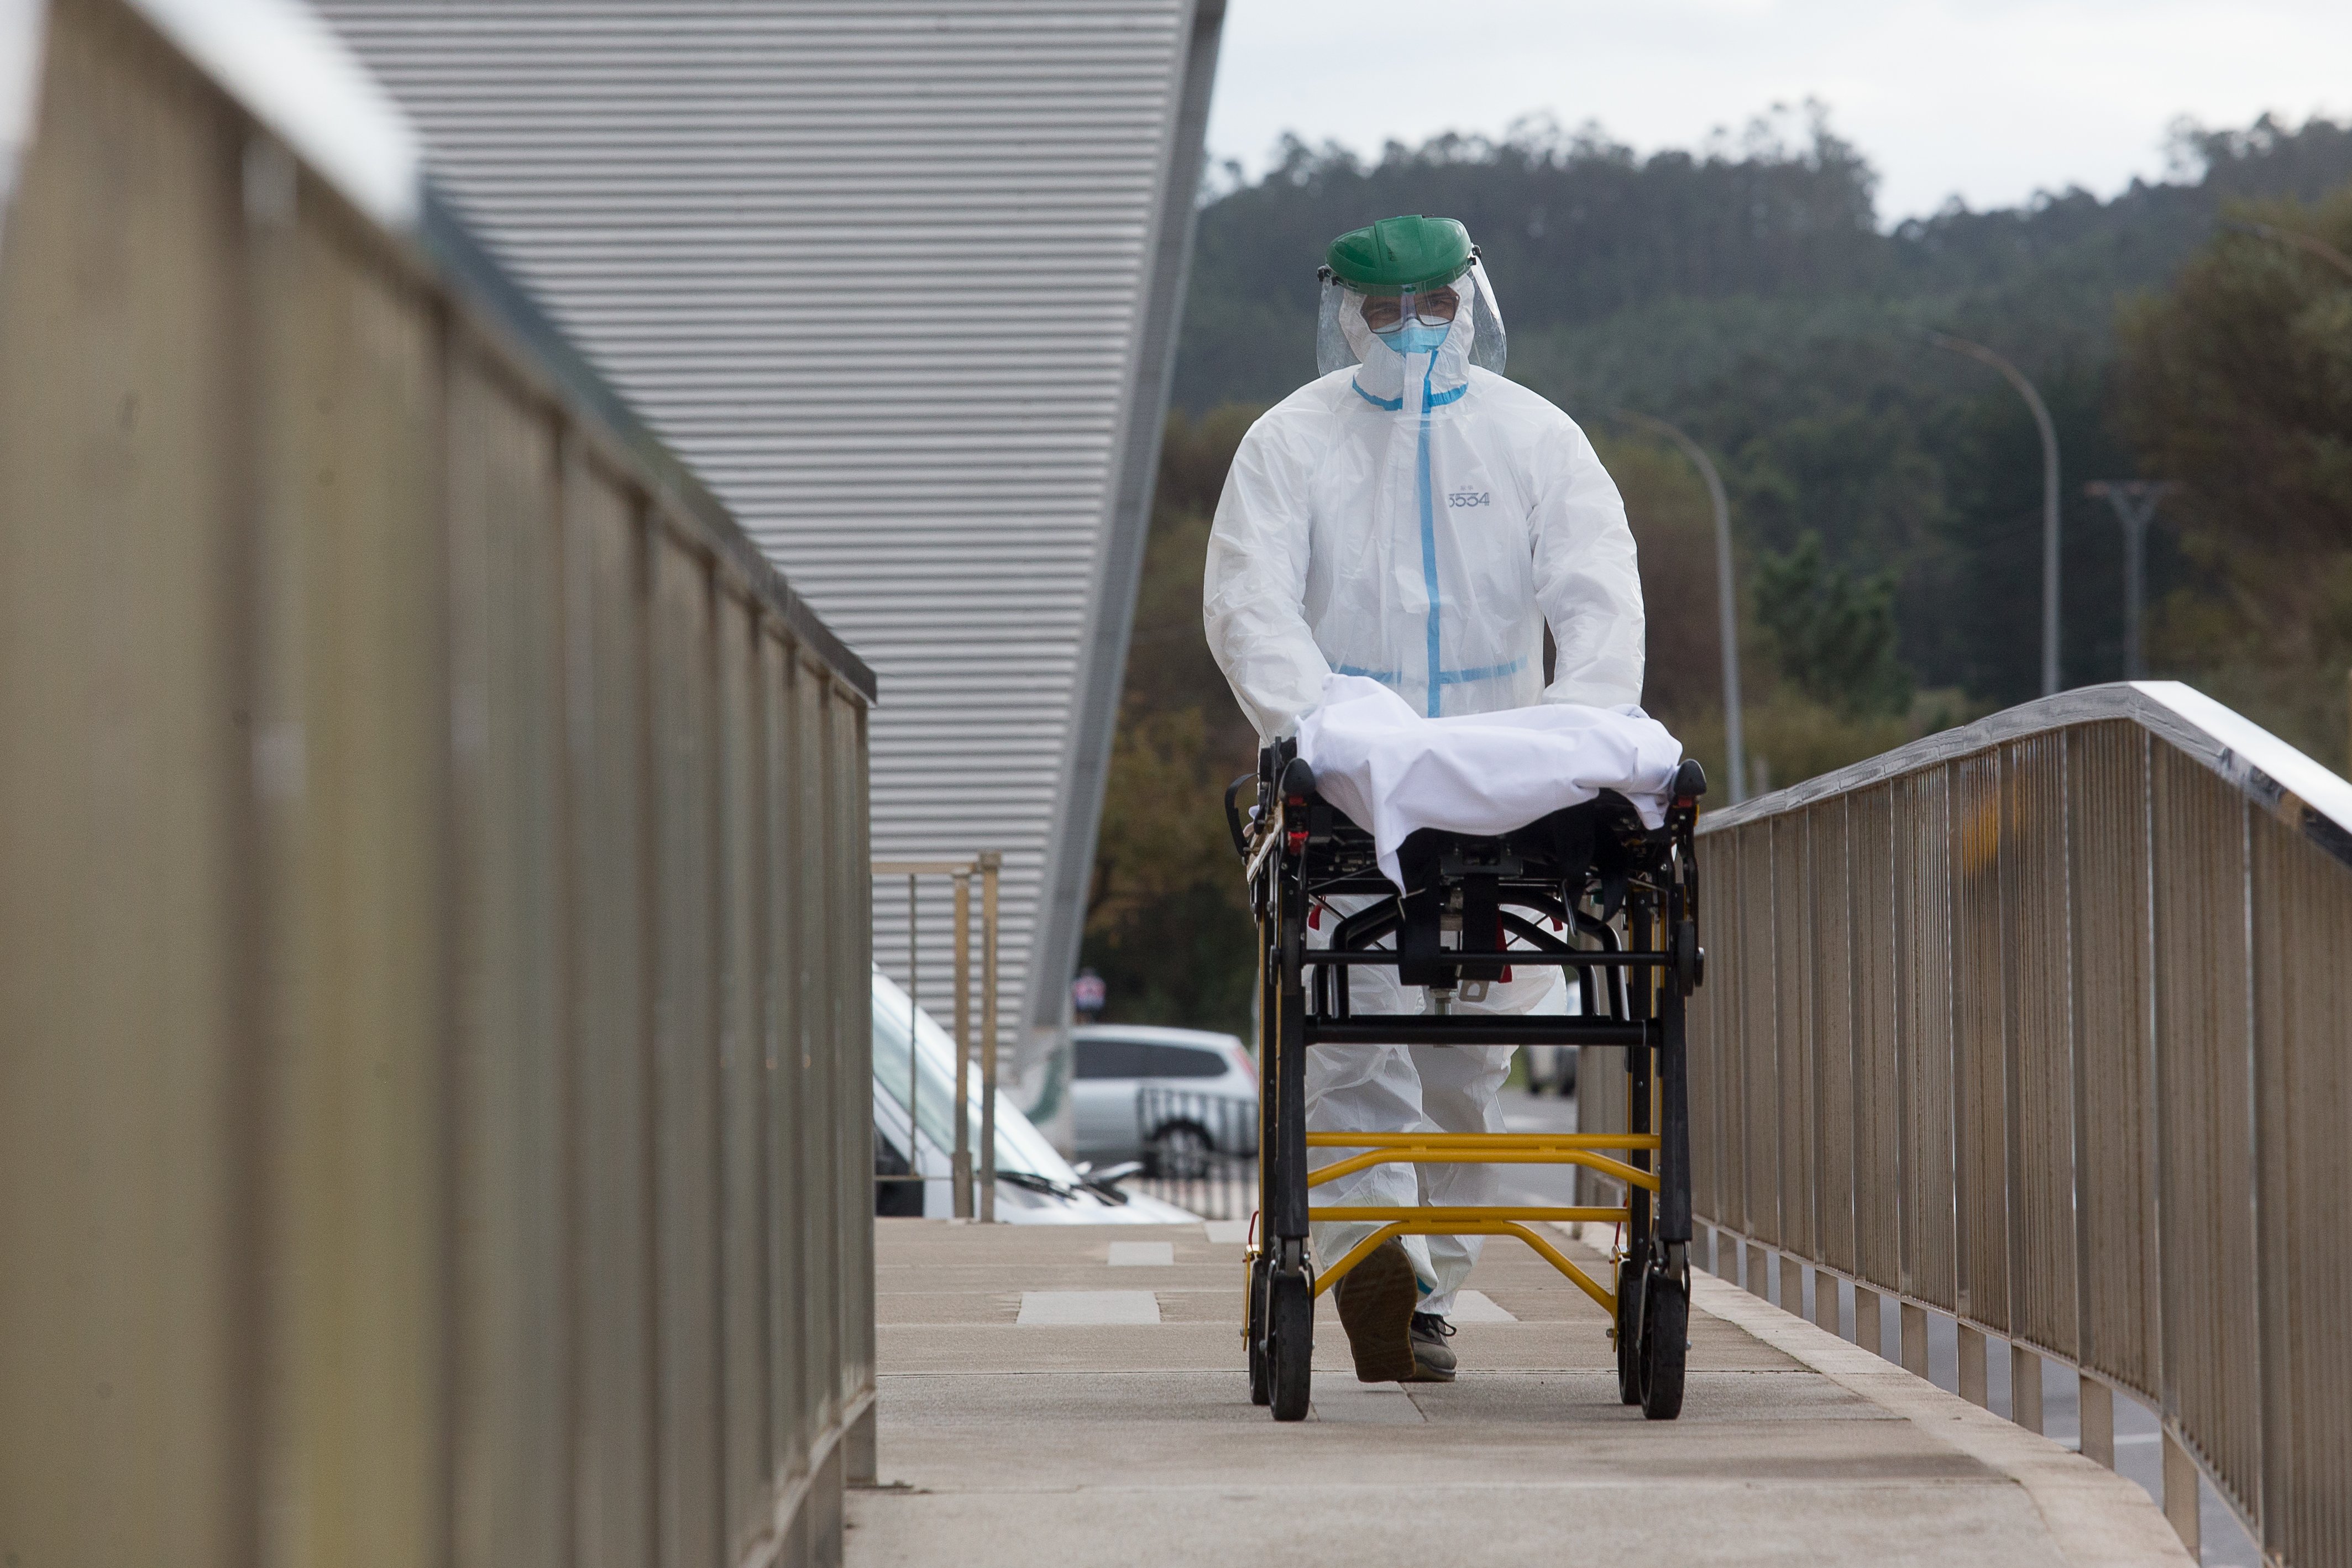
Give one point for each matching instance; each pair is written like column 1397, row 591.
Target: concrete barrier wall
column 434, row 1102
column 2046, row 1023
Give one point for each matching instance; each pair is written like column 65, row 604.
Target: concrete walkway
column 1044, row 1401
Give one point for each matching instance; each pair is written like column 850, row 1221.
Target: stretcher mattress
column 1393, row 772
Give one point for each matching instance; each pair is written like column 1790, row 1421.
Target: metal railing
column 988, row 868
column 2046, row 1024
column 1200, row 1151
column 435, row 989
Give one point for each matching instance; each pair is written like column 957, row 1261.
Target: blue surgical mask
column 1413, row 338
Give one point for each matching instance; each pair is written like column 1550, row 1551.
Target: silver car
column 1197, row 1091
column 1035, row 1186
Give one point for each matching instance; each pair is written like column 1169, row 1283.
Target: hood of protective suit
column 1418, row 520
column 1475, row 337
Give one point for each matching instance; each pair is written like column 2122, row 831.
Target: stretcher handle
column 1234, row 814
column 1690, row 783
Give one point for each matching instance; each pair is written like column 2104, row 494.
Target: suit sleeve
column 1586, row 577
column 1253, row 597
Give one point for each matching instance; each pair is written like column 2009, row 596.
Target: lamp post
column 1727, row 603
column 2135, row 503
column 1983, row 355
column 2296, row 237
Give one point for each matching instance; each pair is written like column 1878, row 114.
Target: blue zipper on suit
column 1429, row 541
column 1439, row 677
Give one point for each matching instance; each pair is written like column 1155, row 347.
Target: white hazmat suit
column 1418, row 519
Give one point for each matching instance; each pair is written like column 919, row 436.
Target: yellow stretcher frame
column 1586, row 1149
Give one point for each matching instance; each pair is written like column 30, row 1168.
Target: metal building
column 901, row 279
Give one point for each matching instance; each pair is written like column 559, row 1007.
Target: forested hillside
column 1748, row 295
column 1886, row 496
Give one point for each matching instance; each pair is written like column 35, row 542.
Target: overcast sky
column 1990, row 100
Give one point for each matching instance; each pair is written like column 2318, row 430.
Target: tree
column 1743, row 290
column 1831, row 633
column 1167, row 925
column 2237, row 385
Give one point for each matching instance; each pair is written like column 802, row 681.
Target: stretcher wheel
column 1629, row 1360
column 1665, row 1346
column 1290, row 1344
column 1260, row 1383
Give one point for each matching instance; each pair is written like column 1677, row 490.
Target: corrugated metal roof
column 899, row 279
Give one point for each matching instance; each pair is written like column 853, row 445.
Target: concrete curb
column 2098, row 1518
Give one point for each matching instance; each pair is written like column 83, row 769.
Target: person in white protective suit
column 1412, row 517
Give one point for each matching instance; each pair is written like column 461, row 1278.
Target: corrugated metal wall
column 435, row 1077
column 900, row 278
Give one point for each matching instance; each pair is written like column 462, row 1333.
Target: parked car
column 1196, row 1090
column 1551, row 1069
column 1034, row 1185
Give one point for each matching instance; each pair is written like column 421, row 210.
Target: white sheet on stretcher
column 1392, row 770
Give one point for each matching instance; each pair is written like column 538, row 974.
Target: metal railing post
column 959, row 1167
column 2180, row 1493
column 1973, row 1381
column 914, row 1011
column 1914, row 1340
column 962, row 1166
column 991, row 863
column 1828, row 1307
column 2024, row 1388
column 2096, row 1401
column 1866, row 1326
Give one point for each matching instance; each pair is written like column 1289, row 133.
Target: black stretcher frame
column 1592, row 871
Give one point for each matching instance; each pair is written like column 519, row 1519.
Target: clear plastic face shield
column 1410, row 321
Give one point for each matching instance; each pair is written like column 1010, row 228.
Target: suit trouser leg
column 1460, row 1092
column 1363, row 1089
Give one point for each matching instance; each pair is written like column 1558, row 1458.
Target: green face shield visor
column 1400, row 273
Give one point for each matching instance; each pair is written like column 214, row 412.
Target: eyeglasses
column 1432, row 308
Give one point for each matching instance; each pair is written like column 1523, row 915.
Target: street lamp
column 2135, row 503
column 1983, row 355
column 1726, row 609
column 2296, row 238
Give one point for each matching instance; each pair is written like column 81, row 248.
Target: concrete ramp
column 1021, row 1443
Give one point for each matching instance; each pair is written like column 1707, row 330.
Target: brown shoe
column 1376, row 1299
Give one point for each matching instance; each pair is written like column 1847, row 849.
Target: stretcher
column 1589, row 889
